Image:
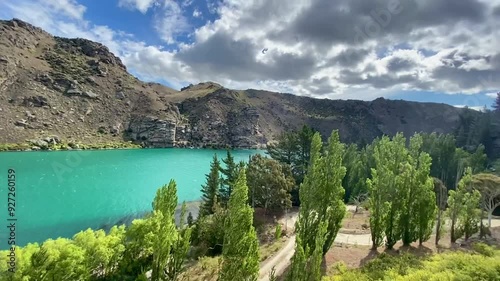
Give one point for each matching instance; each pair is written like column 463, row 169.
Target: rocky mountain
column 78, row 90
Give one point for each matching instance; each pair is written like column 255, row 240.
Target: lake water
column 62, row 192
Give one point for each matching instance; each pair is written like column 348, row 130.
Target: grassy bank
column 27, row 146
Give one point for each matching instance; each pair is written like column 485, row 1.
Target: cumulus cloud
column 322, row 49
column 170, row 21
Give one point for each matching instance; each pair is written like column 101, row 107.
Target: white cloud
column 197, row 13
column 187, row 3
column 476, row 108
column 141, row 5
column 492, row 95
column 69, row 8
column 171, row 21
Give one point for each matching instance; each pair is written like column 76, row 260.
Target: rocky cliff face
column 78, row 90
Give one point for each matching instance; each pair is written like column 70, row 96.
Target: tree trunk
column 481, row 231
column 438, row 227
column 490, row 216
column 452, row 232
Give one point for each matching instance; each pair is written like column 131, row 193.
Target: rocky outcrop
column 152, row 131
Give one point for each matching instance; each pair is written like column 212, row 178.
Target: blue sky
column 430, row 51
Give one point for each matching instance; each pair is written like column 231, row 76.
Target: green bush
column 448, row 266
column 277, row 233
column 209, row 234
column 483, row 249
column 376, row 268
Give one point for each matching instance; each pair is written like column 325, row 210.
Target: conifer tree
column 240, row 253
column 210, row 190
column 230, row 174
column 496, row 105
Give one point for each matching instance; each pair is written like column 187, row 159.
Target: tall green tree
column 270, row 183
column 321, row 194
column 306, row 261
column 354, row 181
column 463, row 208
column 442, row 150
column 180, row 248
column 169, row 244
column 293, row 148
column 331, row 201
column 496, row 104
column 420, row 207
column 210, row 190
column 478, row 160
column 230, row 174
column 240, row 253
column 377, row 200
column 441, row 199
column 387, row 188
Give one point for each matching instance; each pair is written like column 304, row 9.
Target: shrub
column 448, row 266
column 483, row 249
column 377, row 268
column 277, row 233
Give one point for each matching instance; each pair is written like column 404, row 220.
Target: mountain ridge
column 80, row 91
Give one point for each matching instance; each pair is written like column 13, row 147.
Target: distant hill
column 78, row 90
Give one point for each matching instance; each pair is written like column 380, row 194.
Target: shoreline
column 109, row 146
column 191, row 206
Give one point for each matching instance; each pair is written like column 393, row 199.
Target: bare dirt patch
column 356, row 223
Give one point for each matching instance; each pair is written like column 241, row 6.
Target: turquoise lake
column 61, row 193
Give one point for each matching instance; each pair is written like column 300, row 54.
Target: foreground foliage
column 482, row 265
column 154, row 243
column 240, row 253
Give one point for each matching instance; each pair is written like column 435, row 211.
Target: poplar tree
column 240, row 253
column 418, row 210
column 210, row 190
column 441, row 199
column 169, row 243
column 471, row 216
column 306, row 261
column 387, row 187
column 322, row 208
column 463, row 205
column 332, row 193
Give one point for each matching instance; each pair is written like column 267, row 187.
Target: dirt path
column 281, row 259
